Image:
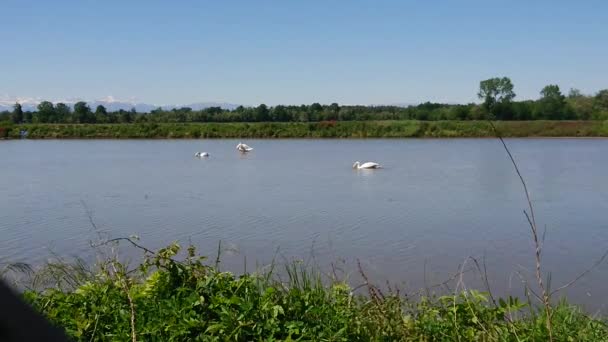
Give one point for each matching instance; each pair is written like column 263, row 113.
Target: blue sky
column 293, row 52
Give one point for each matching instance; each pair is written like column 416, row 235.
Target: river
column 435, row 203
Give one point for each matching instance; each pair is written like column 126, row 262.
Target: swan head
column 356, row 165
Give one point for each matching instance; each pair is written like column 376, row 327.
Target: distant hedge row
column 324, row 129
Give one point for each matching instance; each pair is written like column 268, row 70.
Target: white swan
column 244, row 147
column 367, row 165
column 201, row 154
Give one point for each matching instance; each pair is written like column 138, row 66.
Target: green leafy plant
column 174, row 295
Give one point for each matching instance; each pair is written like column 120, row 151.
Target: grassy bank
column 167, row 298
column 341, row 129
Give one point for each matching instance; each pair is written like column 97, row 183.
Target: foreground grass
column 170, row 299
column 341, row 129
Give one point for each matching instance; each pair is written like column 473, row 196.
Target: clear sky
column 293, row 52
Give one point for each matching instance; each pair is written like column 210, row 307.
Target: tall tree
column 316, row 107
column 125, row 116
column 17, row 114
column 46, row 112
column 262, row 113
column 334, row 111
column 496, row 94
column 574, row 93
column 82, row 112
column 279, row 113
column 63, row 112
column 551, row 91
column 552, row 104
column 101, row 114
column 101, row 110
column 601, row 99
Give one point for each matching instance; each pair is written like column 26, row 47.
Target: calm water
column 435, row 203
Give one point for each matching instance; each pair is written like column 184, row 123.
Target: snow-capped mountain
column 111, row 104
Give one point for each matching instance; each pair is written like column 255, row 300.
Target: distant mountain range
column 111, row 104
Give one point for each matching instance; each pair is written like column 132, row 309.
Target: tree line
column 497, row 96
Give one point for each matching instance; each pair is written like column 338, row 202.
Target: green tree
column 552, row 104
column 63, row 112
column 101, row 114
column 316, row 107
column 458, row 112
column 523, row 110
column 574, row 93
column 496, row 93
column 82, row 112
column 125, row 116
column 17, row 114
column 28, row 117
column 46, row 112
column 112, row 117
column 601, row 99
column 279, row 113
column 181, row 114
column 132, row 115
column 580, row 104
column 333, row 111
column 314, row 111
column 552, row 92
column 262, row 113
column 101, row 110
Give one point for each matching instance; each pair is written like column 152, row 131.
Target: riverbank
column 172, row 298
column 326, row 129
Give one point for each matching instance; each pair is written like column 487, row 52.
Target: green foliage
column 323, row 129
column 601, row 99
column 552, row 105
column 496, row 92
column 497, row 95
column 17, row 114
column 46, row 112
column 82, row 113
column 184, row 299
column 63, row 111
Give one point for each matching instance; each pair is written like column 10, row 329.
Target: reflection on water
column 435, row 201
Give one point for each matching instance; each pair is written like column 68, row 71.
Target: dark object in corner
column 19, row 322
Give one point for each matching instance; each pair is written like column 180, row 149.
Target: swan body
column 201, row 154
column 244, row 147
column 366, row 165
